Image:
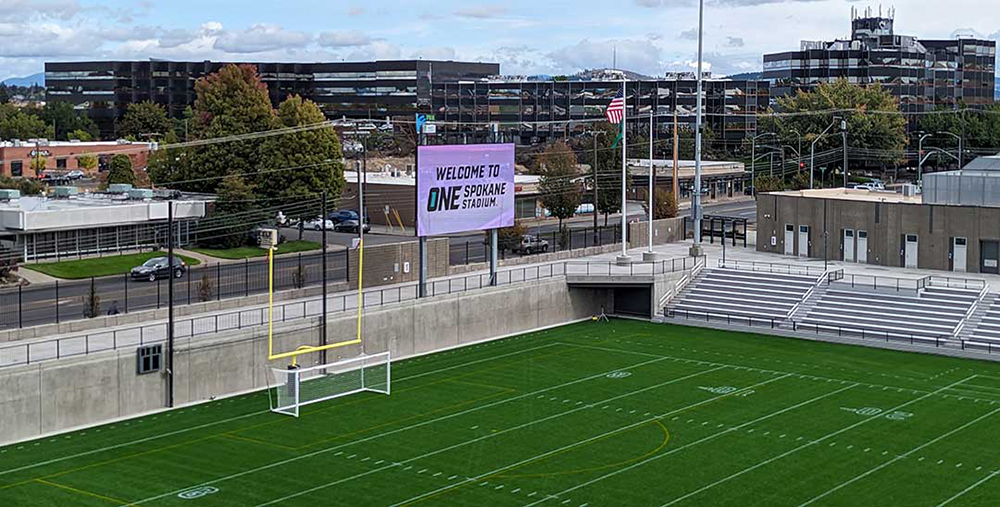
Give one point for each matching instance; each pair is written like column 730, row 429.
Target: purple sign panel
column 464, row 188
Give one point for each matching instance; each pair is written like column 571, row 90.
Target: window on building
column 17, row 168
column 149, row 359
column 60, row 163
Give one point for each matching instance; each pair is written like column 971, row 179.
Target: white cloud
column 23, row 10
column 343, row 39
column 691, row 34
column 734, row 42
column 261, row 37
column 636, row 55
column 482, row 11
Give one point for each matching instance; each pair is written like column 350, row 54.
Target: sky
column 525, row 37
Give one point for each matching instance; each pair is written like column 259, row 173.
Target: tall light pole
column 753, row 160
column 843, row 131
column 920, row 159
column 696, row 198
column 812, row 150
column 956, row 136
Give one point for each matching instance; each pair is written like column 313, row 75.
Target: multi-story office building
column 527, row 111
column 347, row 89
column 924, row 74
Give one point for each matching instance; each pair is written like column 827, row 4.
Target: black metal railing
column 477, row 249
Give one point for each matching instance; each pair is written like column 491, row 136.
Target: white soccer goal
column 297, row 387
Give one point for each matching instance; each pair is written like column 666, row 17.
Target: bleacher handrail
column 819, row 281
column 699, row 264
column 955, row 283
column 968, row 313
column 771, row 267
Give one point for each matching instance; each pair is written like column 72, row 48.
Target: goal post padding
column 297, row 387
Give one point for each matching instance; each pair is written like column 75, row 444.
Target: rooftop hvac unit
column 140, row 193
column 9, row 194
column 66, row 192
column 909, row 190
column 119, row 188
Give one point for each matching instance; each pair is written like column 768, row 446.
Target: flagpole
column 624, row 258
column 649, row 255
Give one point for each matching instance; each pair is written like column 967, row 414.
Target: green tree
column 233, row 216
column 873, row 121
column 87, row 162
column 38, row 164
column 64, row 119
column 121, row 170
column 665, row 204
column 560, row 194
column 977, row 127
column 609, row 168
column 145, row 120
column 20, row 125
column 27, row 186
column 229, row 102
column 4, row 94
column 508, row 238
column 80, row 135
column 770, row 184
column 302, row 163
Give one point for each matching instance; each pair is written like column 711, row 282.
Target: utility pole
column 594, row 134
column 170, row 303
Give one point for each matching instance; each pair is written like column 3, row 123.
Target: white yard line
column 811, row 443
column 901, row 456
column 581, row 442
column 970, row 488
column 236, row 418
column 398, row 430
column 696, row 442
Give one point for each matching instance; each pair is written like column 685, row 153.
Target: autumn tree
column 561, row 195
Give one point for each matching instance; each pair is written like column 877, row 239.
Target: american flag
column 616, row 109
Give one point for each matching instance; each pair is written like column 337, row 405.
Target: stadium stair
column 984, row 327
column 928, row 315
column 726, row 292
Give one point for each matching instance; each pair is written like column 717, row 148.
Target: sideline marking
column 696, row 442
column 808, row 444
column 968, row 489
column 901, row 456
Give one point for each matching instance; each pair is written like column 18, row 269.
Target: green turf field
column 593, row 414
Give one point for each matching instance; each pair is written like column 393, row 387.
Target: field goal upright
column 298, row 387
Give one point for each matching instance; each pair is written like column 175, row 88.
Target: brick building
column 16, row 156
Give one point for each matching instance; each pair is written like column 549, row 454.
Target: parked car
column 157, row 267
column 75, row 174
column 530, row 244
column 342, row 215
column 318, row 224
column 350, row 226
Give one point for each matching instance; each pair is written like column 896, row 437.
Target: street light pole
column 843, row 130
column 798, row 153
column 920, row 155
column 594, row 134
column 753, row 160
column 956, row 136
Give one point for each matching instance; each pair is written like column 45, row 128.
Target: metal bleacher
column 929, row 313
column 744, row 291
column 987, row 330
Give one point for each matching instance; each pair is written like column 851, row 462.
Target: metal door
column 989, row 252
column 959, row 254
column 803, row 241
column 863, row 247
column 789, row 239
column 848, row 245
column 910, row 251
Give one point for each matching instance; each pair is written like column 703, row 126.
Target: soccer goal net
column 297, row 387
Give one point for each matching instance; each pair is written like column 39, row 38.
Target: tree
column 770, row 184
column 609, row 168
column 4, row 94
column 874, row 122
column 38, row 164
column 229, row 102
column 145, row 120
column 20, row 125
column 560, row 194
column 87, row 162
column 302, row 163
column 665, row 204
column 92, row 302
column 121, row 170
column 27, row 186
column 80, row 135
column 64, row 119
column 233, row 216
column 977, row 127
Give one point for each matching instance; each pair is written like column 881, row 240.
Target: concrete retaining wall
column 667, row 230
column 56, row 396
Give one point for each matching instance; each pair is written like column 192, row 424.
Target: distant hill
column 746, row 75
column 27, row 80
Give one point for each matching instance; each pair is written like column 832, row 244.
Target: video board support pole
column 493, row 257
column 422, row 284
column 170, row 304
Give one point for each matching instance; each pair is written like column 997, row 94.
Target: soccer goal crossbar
column 297, row 387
